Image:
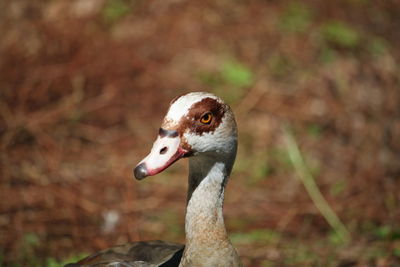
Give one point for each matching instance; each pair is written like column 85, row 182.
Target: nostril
column 163, row 150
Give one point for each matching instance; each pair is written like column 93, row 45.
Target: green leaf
column 383, row 232
column 236, row 74
column 114, row 10
column 296, row 17
column 341, row 34
column 256, row 236
column 378, row 46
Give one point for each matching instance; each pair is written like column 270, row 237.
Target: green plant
column 327, row 54
column 236, row 74
column 261, row 170
column 314, row 130
column 114, row 10
column 335, row 238
column 256, row 236
column 338, row 187
column 210, row 79
column 29, row 245
column 174, row 227
column 230, row 81
column 340, row 34
column 383, row 232
column 281, row 156
column 51, row 262
column 300, row 255
column 396, row 251
column 377, row 46
column 296, row 17
column 267, row 263
column 280, row 65
column 308, row 180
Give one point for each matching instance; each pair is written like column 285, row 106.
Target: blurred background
column 84, row 85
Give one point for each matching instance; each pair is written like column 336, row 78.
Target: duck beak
column 166, row 150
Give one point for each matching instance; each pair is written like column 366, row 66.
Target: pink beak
column 166, row 150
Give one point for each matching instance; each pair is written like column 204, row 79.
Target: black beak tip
column 140, row 171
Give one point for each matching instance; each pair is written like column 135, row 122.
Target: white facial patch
column 222, row 140
column 180, row 108
column 164, row 148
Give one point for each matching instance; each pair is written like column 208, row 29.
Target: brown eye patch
column 204, row 116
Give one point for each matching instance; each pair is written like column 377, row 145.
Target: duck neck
column 206, row 236
column 205, row 198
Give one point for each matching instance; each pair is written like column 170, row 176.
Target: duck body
column 135, row 254
column 202, row 127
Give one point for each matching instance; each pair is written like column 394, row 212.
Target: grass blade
column 313, row 191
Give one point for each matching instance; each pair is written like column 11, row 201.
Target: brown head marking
column 192, row 120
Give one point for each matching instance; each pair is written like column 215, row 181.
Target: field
column 315, row 87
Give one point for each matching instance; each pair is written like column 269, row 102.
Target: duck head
column 197, row 124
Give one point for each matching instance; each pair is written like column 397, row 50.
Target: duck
column 201, row 127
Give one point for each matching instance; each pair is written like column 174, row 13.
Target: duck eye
column 206, row 118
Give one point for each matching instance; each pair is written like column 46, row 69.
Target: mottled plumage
column 135, row 254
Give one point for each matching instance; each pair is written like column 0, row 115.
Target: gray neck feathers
column 207, row 180
column 207, row 242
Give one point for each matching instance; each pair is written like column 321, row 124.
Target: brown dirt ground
column 83, row 91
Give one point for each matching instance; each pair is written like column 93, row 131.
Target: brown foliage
column 81, row 98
